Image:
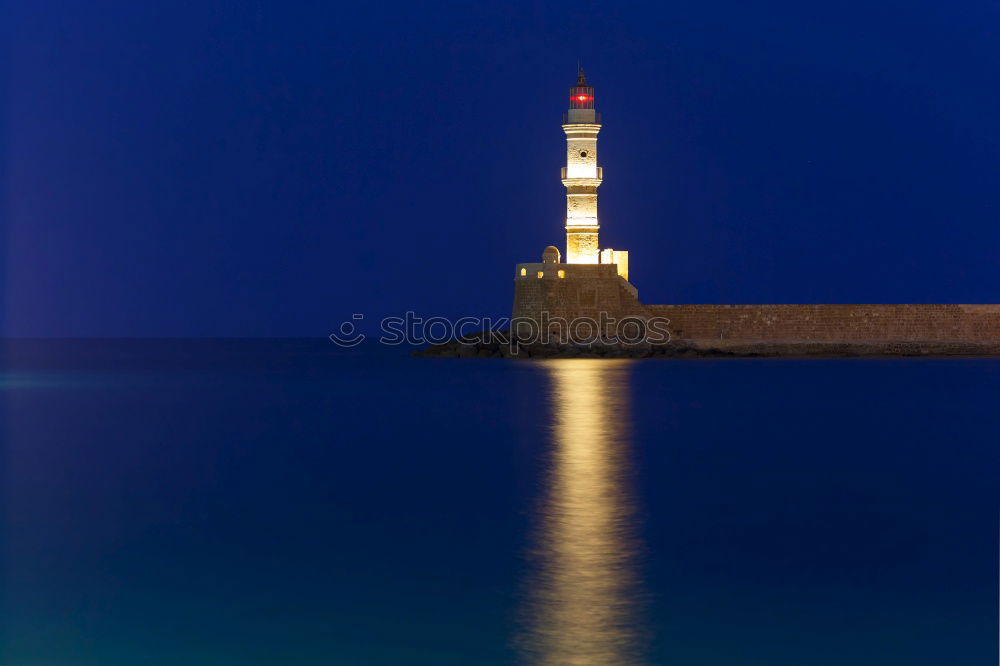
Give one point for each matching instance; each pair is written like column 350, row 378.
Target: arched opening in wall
column 524, row 272
column 541, row 274
column 562, row 273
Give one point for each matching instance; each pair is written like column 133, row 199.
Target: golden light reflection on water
column 582, row 602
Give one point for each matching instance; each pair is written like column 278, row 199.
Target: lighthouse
column 587, row 275
column 581, row 176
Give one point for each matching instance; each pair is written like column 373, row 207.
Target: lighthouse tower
column 590, row 278
column 581, row 175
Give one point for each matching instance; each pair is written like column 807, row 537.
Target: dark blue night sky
column 268, row 168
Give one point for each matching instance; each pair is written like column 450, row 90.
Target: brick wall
column 833, row 323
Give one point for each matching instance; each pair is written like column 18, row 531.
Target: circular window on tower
column 583, row 153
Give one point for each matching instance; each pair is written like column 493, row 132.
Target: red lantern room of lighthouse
column 581, row 103
column 581, row 96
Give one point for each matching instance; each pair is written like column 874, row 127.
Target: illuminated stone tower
column 581, row 175
column 592, row 279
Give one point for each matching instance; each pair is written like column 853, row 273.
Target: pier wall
column 833, row 322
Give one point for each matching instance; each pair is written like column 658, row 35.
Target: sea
column 224, row 502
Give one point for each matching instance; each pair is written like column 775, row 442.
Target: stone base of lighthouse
column 572, row 291
column 552, row 294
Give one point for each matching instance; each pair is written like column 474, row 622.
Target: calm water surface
column 265, row 502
